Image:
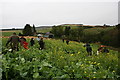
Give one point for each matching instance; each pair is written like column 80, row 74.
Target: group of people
column 101, row 49
column 14, row 41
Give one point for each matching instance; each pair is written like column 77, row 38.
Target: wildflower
column 108, row 53
column 94, row 62
column 94, row 72
column 94, row 77
column 71, row 55
column 98, row 64
column 78, row 52
column 113, row 71
column 85, row 72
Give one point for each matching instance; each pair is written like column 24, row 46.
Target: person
column 38, row 38
column 105, row 50
column 41, row 43
column 63, row 40
column 22, row 39
column 25, row 44
column 100, row 49
column 14, row 42
column 88, row 49
column 32, row 42
column 67, row 41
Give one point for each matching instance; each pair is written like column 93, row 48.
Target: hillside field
column 58, row 60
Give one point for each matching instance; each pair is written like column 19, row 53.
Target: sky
column 17, row 13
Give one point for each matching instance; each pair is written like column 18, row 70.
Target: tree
column 67, row 30
column 27, row 31
column 34, row 30
column 57, row 31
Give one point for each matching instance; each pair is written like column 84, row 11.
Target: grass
column 9, row 33
column 44, row 30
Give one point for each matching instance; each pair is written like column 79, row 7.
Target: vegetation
column 105, row 35
column 58, row 60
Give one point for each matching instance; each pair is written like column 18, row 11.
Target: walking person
column 63, row 40
column 67, row 41
column 14, row 42
column 88, row 49
column 32, row 42
column 41, row 43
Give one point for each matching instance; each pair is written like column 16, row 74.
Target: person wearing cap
column 14, row 41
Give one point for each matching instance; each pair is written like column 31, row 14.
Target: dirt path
column 19, row 36
column 9, row 31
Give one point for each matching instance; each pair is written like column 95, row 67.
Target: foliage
column 59, row 60
column 105, row 35
column 57, row 31
column 34, row 30
column 27, row 31
column 67, row 31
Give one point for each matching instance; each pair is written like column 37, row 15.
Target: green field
column 39, row 30
column 59, row 60
column 9, row 33
column 44, row 30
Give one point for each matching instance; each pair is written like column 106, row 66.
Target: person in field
column 14, row 42
column 67, row 41
column 41, row 43
column 38, row 38
column 105, row 50
column 63, row 40
column 25, row 44
column 100, row 49
column 88, row 49
column 32, row 42
column 22, row 39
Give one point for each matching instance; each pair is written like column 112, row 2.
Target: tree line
column 105, row 35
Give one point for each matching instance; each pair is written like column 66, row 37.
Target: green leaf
column 35, row 75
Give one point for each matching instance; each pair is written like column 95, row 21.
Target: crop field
column 58, row 60
column 9, row 33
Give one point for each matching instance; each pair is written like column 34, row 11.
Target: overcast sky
column 17, row 13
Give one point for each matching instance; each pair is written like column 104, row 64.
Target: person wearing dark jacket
column 67, row 42
column 88, row 49
column 105, row 50
column 63, row 40
column 41, row 43
column 14, row 41
column 32, row 42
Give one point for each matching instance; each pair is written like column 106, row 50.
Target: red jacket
column 25, row 45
